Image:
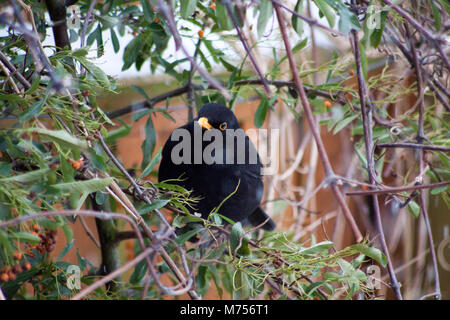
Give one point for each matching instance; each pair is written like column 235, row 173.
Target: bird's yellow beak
column 203, row 122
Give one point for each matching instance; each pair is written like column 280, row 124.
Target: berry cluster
column 9, row 273
column 47, row 241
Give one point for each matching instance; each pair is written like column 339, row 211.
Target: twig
column 310, row 21
column 367, row 126
column 414, row 146
column 164, row 10
column 83, row 293
column 246, row 47
column 91, row 235
column 14, row 72
column 435, row 41
column 420, row 138
column 398, row 189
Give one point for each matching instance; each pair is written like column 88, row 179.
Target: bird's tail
column 259, row 216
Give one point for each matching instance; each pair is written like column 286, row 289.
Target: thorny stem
column 329, row 174
column 367, row 117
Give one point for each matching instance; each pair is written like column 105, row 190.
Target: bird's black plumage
column 214, row 182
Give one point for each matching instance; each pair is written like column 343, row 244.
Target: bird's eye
column 223, row 126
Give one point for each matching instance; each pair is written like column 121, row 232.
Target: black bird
column 216, row 181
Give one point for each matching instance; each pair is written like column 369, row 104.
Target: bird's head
column 217, row 116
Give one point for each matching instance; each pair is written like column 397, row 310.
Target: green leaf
column 156, row 204
column 87, row 186
column 48, row 223
column 344, row 122
column 5, row 168
column 439, row 189
column 32, row 111
column 376, row 35
column 347, row 19
column 68, row 232
column 321, row 247
column 99, row 38
column 4, row 241
column 28, row 176
column 364, row 63
column 149, row 143
column 147, row 9
column 26, row 237
column 148, row 169
column 139, row 272
column 414, row 208
column 140, row 91
column 65, row 250
column 61, row 137
column 237, row 232
column 436, row 15
column 96, row 72
column 261, row 112
column 115, row 41
column 223, row 20
column 188, row 8
column 265, row 12
column 182, row 238
column 327, row 11
column 371, row 252
column 299, row 46
column 241, row 285
column 118, row 133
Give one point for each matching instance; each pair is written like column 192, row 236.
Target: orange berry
column 17, row 269
column 78, row 164
column 35, row 227
column 351, row 72
column 17, row 255
column 156, row 20
column 4, row 277
column 12, row 276
column 201, row 33
column 327, row 103
column 26, row 266
column 364, row 187
column 212, row 6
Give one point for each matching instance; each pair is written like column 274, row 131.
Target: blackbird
column 225, row 181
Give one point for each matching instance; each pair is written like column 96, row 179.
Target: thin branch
column 414, row 146
column 227, row 4
column 420, row 138
column 168, row 15
column 435, row 41
column 398, row 189
column 311, row 22
column 14, row 72
column 367, row 127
